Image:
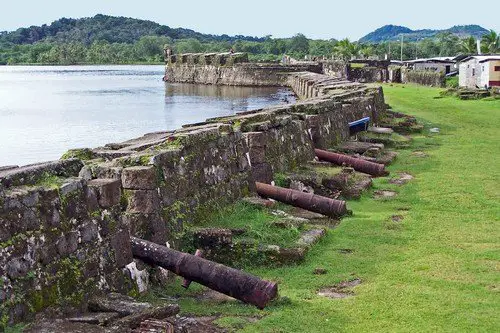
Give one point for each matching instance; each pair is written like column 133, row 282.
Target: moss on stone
column 83, row 154
column 135, row 160
column 47, row 180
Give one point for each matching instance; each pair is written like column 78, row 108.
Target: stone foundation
column 66, row 224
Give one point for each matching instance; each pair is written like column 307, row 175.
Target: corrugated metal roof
column 483, row 58
column 435, row 59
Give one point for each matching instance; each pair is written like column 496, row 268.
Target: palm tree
column 490, row 42
column 345, row 50
column 366, row 51
column 468, row 45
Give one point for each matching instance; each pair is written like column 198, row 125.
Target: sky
column 316, row 19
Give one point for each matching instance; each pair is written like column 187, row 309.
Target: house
column 482, row 71
column 444, row 65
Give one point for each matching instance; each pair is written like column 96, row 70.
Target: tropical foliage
column 107, row 39
column 490, row 42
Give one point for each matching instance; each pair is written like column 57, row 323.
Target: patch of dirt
column 319, row 271
column 384, row 194
column 346, row 251
column 340, row 290
column 397, row 218
column 306, row 214
column 212, row 295
column 402, row 179
column 420, row 154
column 404, row 209
column 197, row 325
column 60, row 326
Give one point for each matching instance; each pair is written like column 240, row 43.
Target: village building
column 481, row 71
column 446, row 65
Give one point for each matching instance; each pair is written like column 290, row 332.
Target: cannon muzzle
column 358, row 164
column 227, row 280
column 309, row 201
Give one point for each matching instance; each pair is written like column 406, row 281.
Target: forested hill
column 106, row 28
column 394, row 32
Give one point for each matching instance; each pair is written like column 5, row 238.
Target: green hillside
column 394, row 32
column 105, row 28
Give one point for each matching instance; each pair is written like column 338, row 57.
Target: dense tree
column 299, row 45
column 190, row 45
column 490, row 42
column 448, row 44
column 106, row 39
column 346, row 50
column 468, row 45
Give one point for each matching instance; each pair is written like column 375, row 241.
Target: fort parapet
column 66, row 224
column 232, row 69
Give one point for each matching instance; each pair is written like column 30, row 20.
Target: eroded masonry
column 66, row 225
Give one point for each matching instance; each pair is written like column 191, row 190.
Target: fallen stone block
column 259, row 202
column 310, row 237
column 212, row 237
column 114, row 302
column 156, row 326
column 380, row 130
column 358, row 147
column 161, row 312
column 96, row 318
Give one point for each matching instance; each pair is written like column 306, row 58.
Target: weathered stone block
column 47, row 253
column 139, row 178
column 88, row 232
column 120, row 243
column 108, row 191
column 91, row 267
column 121, row 304
column 67, row 243
column 257, row 155
column 255, row 139
column 5, row 233
column 150, row 227
column 262, row 173
column 212, row 237
column 142, row 201
column 17, row 267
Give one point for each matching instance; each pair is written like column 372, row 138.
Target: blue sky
column 316, row 19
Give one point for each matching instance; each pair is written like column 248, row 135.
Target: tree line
column 149, row 49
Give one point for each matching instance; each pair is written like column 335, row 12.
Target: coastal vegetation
column 118, row 40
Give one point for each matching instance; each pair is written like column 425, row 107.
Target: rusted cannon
column 358, row 164
column 227, row 280
column 309, row 201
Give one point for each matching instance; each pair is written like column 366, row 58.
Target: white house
column 482, row 71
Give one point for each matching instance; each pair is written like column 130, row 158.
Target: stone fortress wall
column 66, row 224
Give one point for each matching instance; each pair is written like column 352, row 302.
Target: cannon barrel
column 309, row 201
column 227, row 280
column 358, row 164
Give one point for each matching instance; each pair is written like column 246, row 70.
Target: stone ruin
column 66, row 225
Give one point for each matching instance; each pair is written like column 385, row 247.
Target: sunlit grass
column 436, row 270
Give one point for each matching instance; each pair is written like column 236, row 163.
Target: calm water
column 46, row 110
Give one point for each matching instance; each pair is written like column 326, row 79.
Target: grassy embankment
column 437, row 270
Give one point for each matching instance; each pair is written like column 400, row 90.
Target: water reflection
column 189, row 103
column 45, row 110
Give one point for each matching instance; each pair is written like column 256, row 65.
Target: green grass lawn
column 438, row 269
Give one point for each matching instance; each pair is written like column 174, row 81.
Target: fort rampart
column 66, row 224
